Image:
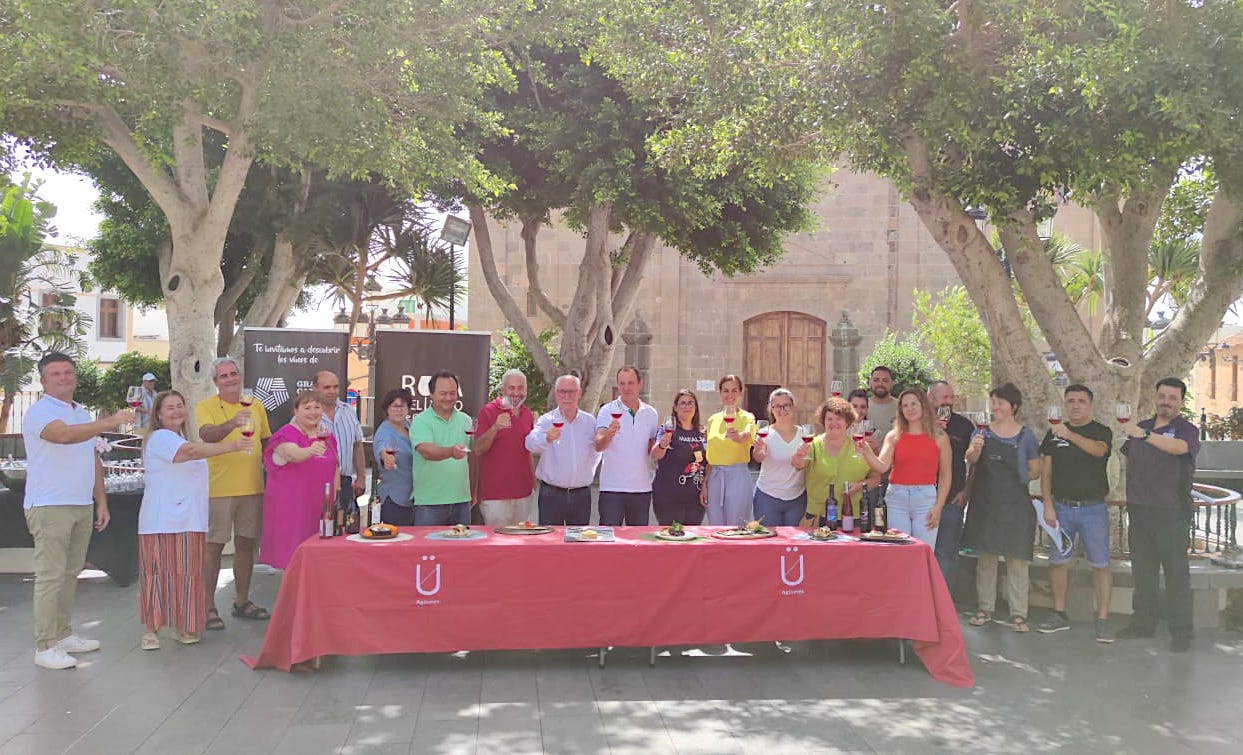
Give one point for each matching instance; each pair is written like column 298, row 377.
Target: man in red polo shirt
column 506, row 476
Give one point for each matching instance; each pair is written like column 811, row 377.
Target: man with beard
column 882, row 407
column 506, row 477
column 1161, row 455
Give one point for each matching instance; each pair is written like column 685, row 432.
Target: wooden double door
column 785, row 349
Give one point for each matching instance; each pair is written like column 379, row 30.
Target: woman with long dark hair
column 680, row 464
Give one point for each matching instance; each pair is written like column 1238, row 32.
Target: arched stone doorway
column 785, row 349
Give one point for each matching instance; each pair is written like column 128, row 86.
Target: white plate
column 360, row 539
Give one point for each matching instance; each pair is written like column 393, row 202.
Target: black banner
column 282, row 362
column 409, row 358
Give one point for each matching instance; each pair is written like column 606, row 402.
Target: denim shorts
column 1091, row 524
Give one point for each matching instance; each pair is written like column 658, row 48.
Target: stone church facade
column 775, row 327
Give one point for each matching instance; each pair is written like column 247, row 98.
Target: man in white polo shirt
column 625, row 428
column 64, row 477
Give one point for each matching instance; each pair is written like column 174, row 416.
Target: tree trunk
column 6, row 408
column 193, row 285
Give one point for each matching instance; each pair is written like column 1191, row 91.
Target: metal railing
column 22, row 400
column 1214, row 524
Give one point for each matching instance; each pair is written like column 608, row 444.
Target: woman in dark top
column 681, row 465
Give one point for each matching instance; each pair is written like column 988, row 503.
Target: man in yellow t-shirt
column 235, row 487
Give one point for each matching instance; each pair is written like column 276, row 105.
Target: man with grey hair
column 235, row 489
column 565, row 439
column 506, row 477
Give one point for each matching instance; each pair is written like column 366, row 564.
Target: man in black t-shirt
column 1073, row 484
column 959, row 428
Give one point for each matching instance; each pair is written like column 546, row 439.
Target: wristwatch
column 1147, row 434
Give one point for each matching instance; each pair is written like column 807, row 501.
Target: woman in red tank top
column 916, row 454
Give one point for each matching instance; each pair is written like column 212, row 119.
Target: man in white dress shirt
column 564, row 438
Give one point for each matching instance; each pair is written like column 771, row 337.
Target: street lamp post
column 455, row 233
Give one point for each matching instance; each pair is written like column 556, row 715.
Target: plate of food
column 752, row 530
column 379, row 533
column 888, row 536
column 598, row 534
column 457, row 532
column 524, row 528
column 675, row 532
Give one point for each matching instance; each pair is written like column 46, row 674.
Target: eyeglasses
column 782, row 407
column 685, row 403
column 566, row 392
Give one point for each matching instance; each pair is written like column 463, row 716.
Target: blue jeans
column 778, row 512
column 442, row 515
column 949, row 541
column 394, row 513
column 907, row 507
column 1091, row 523
column 624, row 508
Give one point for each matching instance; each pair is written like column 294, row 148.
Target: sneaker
column 1056, row 622
column 1103, row 633
column 76, row 644
column 1180, row 643
column 1134, row 631
column 54, row 658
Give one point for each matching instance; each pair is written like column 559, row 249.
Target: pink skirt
column 170, row 581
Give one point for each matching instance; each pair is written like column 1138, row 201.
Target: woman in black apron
column 1000, row 518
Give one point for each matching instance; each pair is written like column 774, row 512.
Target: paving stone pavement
column 1034, row 693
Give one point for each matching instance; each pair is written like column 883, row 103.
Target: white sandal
column 150, row 641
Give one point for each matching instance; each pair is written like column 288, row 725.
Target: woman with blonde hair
column 916, row 454
column 172, row 523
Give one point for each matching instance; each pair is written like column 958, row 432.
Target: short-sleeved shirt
column 1028, row 449
column 1156, row 478
column 840, row 469
column 626, row 465
column 882, row 414
column 722, row 451
column 57, row 474
column 175, row 495
column 396, row 484
column 680, row 472
column 437, row 483
column 1077, row 474
column 505, row 470
column 959, row 428
column 240, row 472
column 778, row 477
column 348, row 431
column 148, row 402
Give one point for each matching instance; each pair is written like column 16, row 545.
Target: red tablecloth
column 525, row 592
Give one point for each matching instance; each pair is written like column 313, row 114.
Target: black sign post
column 409, row 358
column 282, row 362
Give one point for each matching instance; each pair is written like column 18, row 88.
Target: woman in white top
column 781, row 491
column 172, row 524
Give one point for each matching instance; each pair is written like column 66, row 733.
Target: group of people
column 931, row 463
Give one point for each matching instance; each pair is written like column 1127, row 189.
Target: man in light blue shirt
column 564, row 439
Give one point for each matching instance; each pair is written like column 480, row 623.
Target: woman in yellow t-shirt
column 831, row 458
column 728, row 492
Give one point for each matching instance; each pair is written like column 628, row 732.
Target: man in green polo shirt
column 441, row 472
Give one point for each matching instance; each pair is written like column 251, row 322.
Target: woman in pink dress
column 299, row 462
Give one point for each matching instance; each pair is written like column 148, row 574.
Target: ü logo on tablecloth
column 421, row 582
column 787, row 571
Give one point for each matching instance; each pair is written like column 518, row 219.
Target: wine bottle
column 865, row 510
column 878, row 516
column 830, row 509
column 326, row 528
column 848, row 511
column 338, row 513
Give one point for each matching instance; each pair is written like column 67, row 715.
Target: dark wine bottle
column 878, row 516
column 865, row 510
column 326, row 524
column 830, row 509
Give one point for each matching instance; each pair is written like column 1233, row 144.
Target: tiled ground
column 1060, row 693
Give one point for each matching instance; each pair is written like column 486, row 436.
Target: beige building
column 772, row 328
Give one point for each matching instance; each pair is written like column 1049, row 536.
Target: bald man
column 339, row 417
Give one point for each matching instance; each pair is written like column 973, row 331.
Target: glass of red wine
column 247, row 398
column 805, row 432
column 470, row 433
column 1055, row 414
column 247, row 427
column 323, row 436
column 836, row 388
column 667, row 428
column 133, row 399
column 1123, row 413
column 981, row 422
column 761, row 429
column 731, row 413
column 616, row 412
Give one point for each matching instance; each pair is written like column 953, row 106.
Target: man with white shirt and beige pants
column 64, row 498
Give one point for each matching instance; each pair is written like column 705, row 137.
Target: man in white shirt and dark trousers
column 625, row 429
column 64, row 477
column 564, row 438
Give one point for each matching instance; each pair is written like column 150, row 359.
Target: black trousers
column 1159, row 540
column 558, row 506
column 629, row 509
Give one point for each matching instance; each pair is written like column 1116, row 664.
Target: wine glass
column 981, row 422
column 868, row 428
column 470, row 433
column 387, row 454
column 836, row 388
column 323, row 436
column 1055, row 414
column 667, row 427
column 806, row 433
column 1123, row 413
column 246, row 398
column 133, row 398
column 247, row 427
column 731, row 413
column 761, row 428
column 856, row 432
column 943, row 413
